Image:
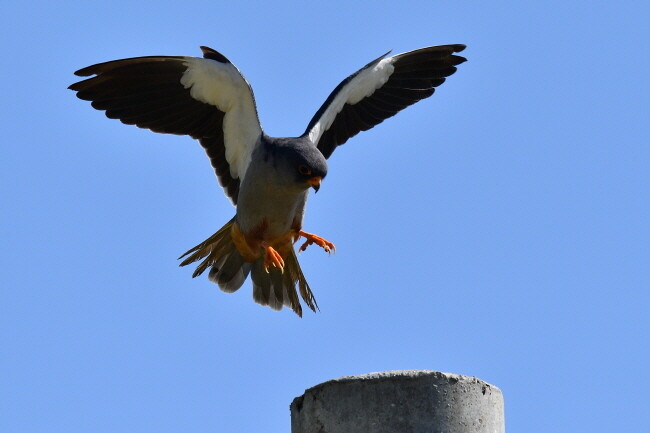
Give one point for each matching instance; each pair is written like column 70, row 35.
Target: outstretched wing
column 378, row 91
column 205, row 98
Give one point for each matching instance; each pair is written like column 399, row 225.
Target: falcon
column 267, row 179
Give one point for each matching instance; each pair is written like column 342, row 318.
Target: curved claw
column 314, row 239
column 272, row 258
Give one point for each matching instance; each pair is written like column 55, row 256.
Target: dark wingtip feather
column 88, row 70
column 82, row 73
column 457, row 60
column 213, row 54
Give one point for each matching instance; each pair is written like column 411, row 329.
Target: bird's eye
column 304, row 170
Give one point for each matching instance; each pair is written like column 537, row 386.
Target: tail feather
column 275, row 288
column 213, row 248
column 262, row 285
column 279, row 290
column 296, row 275
column 229, row 270
column 269, row 288
column 230, row 273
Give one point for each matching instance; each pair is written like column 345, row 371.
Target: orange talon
column 272, row 258
column 314, row 239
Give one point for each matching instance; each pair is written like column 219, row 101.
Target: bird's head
column 310, row 168
column 303, row 164
column 311, row 174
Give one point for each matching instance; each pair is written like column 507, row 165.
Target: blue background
column 498, row 229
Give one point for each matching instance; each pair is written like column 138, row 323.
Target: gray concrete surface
column 403, row 401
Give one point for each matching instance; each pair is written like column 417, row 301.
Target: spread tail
column 229, row 270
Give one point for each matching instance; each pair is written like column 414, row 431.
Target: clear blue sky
column 500, row 229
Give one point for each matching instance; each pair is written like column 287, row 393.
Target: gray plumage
column 277, row 192
column 267, row 178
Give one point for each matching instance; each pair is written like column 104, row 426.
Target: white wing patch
column 361, row 86
column 222, row 85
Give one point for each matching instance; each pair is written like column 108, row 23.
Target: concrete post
column 404, row 401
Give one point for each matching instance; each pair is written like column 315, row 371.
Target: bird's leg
column 250, row 254
column 313, row 239
column 272, row 258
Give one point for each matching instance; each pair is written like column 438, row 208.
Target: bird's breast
column 266, row 217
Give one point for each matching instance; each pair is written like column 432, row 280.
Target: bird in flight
column 266, row 178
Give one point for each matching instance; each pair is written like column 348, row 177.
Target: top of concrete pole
column 403, row 401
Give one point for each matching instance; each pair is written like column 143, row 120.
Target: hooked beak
column 314, row 182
